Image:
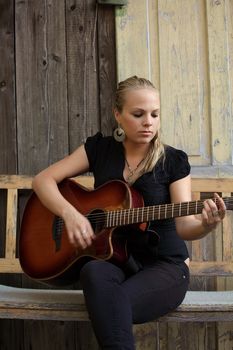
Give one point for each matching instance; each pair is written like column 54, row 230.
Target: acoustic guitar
column 45, row 253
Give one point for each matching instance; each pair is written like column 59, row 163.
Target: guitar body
column 44, row 250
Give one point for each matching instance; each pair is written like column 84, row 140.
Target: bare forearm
column 192, row 228
column 47, row 190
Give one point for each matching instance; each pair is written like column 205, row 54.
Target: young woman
column 158, row 279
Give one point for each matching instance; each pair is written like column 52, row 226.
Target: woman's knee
column 95, row 271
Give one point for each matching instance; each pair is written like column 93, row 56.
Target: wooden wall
column 58, row 73
column 186, row 48
column 57, row 78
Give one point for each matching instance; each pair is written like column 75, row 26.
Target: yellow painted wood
column 196, row 245
column 10, row 266
column 220, row 86
column 137, row 40
column 11, row 223
column 228, row 235
column 153, row 42
column 189, row 56
column 132, row 38
column 25, row 182
column 182, row 89
column 212, row 185
column 15, row 181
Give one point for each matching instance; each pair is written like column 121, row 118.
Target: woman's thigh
column 156, row 290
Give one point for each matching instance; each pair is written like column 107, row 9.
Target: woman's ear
column 117, row 115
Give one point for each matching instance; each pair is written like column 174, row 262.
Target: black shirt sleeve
column 92, row 145
column 177, row 164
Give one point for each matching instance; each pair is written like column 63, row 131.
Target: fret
column 165, row 211
column 159, row 212
column 137, row 220
column 196, row 211
column 172, row 209
column 119, row 218
column 111, row 218
column 124, row 221
column 115, row 221
column 187, row 211
column 180, row 209
column 132, row 217
column 144, row 214
column 108, row 219
column 128, row 216
column 183, row 211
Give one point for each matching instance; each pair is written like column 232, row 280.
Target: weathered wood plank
column 15, row 181
column 198, row 184
column 25, row 182
column 220, row 91
column 8, row 152
column 133, row 56
column 107, row 67
column 10, row 266
column 11, row 223
column 70, row 305
column 211, row 268
column 182, row 59
column 82, row 60
column 41, row 84
column 212, row 185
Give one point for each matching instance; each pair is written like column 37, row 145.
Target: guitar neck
column 157, row 212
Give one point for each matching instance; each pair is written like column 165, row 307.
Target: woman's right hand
column 79, row 229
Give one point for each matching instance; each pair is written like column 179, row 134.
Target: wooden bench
column 69, row 305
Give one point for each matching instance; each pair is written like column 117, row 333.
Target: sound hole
column 57, row 232
column 97, row 219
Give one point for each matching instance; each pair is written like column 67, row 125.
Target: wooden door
column 185, row 47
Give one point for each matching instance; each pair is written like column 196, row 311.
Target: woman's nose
column 147, row 120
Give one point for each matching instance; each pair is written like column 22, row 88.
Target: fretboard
column 156, row 212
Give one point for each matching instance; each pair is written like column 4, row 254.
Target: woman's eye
column 155, row 115
column 137, row 115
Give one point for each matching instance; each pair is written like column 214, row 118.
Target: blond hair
column 156, row 150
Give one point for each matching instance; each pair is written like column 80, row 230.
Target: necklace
column 132, row 171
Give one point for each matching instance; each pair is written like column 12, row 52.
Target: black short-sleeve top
column 107, row 161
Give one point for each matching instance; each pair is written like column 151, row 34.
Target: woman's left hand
column 213, row 213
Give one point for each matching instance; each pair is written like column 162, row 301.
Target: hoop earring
column 119, row 134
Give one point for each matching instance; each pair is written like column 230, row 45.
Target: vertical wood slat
column 42, row 118
column 227, row 237
column 224, row 330
column 220, row 89
column 11, row 224
column 137, row 33
column 82, row 60
column 181, row 63
column 107, row 67
column 132, row 22
column 8, row 149
column 196, row 245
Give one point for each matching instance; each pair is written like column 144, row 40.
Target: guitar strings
column 159, row 212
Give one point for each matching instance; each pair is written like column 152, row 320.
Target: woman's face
column 140, row 116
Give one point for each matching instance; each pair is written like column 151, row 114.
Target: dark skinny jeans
column 115, row 302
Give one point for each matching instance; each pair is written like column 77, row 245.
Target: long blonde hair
column 156, row 150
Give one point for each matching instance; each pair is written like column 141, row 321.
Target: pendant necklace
column 132, row 171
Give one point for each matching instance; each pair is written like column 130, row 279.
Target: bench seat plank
column 70, row 305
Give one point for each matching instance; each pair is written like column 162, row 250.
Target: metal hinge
column 113, row 2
